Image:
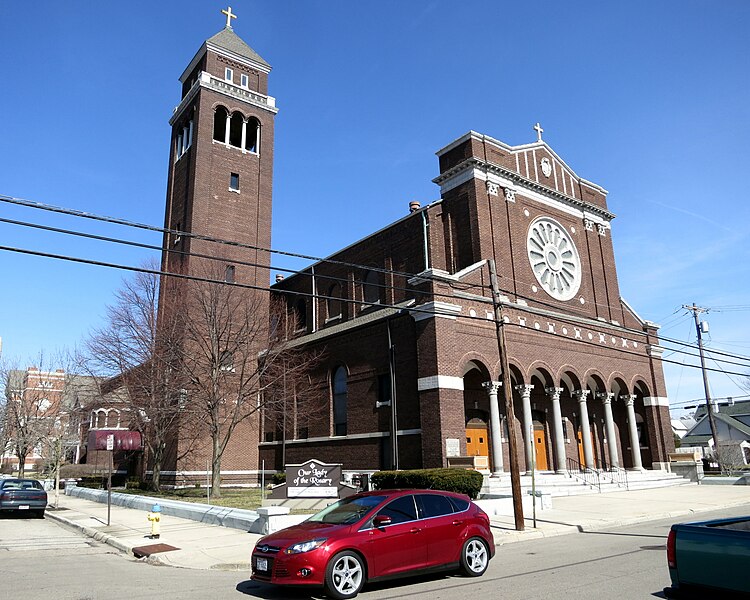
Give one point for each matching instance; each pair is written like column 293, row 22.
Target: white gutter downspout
column 426, row 248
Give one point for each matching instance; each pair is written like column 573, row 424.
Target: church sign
column 313, row 479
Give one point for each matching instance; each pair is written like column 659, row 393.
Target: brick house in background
column 404, row 317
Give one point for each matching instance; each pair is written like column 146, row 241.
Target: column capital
column 605, row 397
column 580, row 395
column 554, row 392
column 492, row 386
column 524, row 388
column 629, row 399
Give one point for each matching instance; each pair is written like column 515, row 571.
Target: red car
column 374, row 536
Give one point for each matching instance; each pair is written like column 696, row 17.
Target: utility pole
column 709, row 409
column 515, row 471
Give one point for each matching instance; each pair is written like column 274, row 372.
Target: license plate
column 23, row 507
column 261, row 564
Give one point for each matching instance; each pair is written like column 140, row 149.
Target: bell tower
column 219, row 189
column 221, row 162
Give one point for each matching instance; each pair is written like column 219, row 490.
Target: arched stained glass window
column 339, row 401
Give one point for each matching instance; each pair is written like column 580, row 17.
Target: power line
column 76, row 213
column 407, row 309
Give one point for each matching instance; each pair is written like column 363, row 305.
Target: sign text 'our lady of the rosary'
column 313, row 479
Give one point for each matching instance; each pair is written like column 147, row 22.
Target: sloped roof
column 229, row 40
column 740, row 407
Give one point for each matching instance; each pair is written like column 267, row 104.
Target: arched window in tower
column 183, row 139
column 333, row 302
column 300, row 313
column 220, row 124
column 235, row 130
column 339, row 401
column 252, row 135
column 370, row 288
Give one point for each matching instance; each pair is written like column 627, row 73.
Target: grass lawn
column 247, row 498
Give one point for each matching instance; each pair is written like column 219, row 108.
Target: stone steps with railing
column 565, row 484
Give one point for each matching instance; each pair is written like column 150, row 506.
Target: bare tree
column 4, row 429
column 138, row 350
column 229, row 359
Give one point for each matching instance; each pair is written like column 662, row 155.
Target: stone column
column 554, row 396
column 588, row 451
column 244, row 134
column 528, row 423
column 495, row 429
column 229, row 126
column 609, row 424
column 635, row 445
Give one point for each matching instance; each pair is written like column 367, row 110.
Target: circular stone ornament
column 554, row 258
column 546, row 167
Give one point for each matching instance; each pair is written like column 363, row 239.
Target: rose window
column 554, row 258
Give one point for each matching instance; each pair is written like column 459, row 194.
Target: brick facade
column 413, row 301
column 492, row 195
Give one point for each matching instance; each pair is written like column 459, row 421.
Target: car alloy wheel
column 475, row 557
column 345, row 575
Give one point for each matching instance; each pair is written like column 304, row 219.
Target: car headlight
column 306, row 546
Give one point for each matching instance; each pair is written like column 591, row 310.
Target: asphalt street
column 46, row 560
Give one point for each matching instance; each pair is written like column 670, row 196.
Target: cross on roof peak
column 539, row 131
column 230, row 16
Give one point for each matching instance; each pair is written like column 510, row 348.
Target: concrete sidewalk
column 203, row 546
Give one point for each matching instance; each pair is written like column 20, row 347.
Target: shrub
column 278, row 478
column 462, row 481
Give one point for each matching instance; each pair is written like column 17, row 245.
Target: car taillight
column 671, row 554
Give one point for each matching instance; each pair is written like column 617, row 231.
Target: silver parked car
column 23, row 495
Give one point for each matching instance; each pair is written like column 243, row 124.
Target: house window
column 226, row 361
column 228, row 74
column 234, row 182
column 243, row 80
column 339, row 401
column 370, row 288
column 301, row 314
column 229, row 274
column 252, row 135
column 384, row 390
column 236, row 126
column 184, row 139
column 220, row 124
column 333, row 302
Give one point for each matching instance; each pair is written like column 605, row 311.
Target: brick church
column 404, row 319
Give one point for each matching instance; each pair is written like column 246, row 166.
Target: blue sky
column 648, row 99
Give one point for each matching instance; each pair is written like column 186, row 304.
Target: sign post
column 110, row 450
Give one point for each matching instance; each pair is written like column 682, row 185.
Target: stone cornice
column 486, row 167
column 235, row 92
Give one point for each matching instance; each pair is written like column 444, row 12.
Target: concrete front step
column 556, row 484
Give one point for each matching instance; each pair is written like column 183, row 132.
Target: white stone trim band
column 442, row 382
column 655, row 401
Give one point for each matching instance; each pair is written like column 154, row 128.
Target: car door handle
column 458, row 522
column 415, row 530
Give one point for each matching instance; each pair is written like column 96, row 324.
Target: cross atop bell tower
column 230, row 16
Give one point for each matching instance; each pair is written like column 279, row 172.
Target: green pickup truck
column 709, row 559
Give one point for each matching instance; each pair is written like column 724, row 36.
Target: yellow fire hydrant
column 154, row 518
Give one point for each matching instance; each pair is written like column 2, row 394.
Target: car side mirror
column 381, row 520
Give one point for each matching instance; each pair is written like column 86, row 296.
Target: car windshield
column 21, row 484
column 347, row 510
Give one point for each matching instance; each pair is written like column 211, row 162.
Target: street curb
column 99, row 536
